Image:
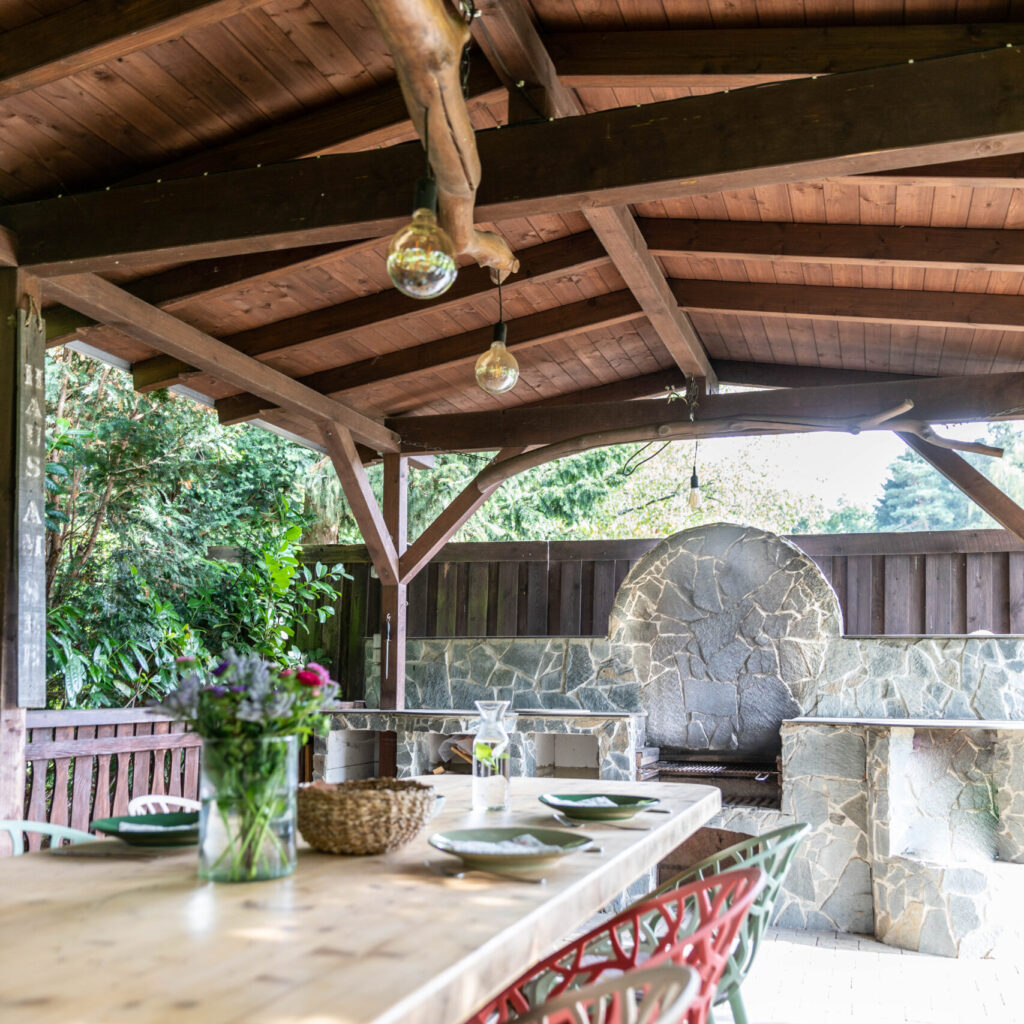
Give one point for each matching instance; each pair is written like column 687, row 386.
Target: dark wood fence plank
column 979, row 591
column 604, row 594
column 570, row 599
column 1015, row 573
column 536, row 616
column 507, row 600
column 938, row 573
column 476, row 599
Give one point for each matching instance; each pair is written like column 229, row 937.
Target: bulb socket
column 500, row 333
column 694, row 482
column 425, row 196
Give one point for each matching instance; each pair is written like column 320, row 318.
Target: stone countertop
column 466, row 713
column 992, row 724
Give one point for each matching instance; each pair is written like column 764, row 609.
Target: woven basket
column 365, row 816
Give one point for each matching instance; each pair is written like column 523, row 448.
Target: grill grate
column 759, row 773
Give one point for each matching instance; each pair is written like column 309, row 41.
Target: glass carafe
column 491, row 759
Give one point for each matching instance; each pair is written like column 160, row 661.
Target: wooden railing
column 88, row 764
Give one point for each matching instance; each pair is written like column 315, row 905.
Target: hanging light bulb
column 421, row 257
column 695, row 500
column 497, row 370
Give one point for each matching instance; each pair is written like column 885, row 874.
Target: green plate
column 626, row 806
column 567, row 843
column 109, row 827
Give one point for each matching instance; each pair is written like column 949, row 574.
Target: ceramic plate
column 625, row 806
column 559, row 844
column 189, row 837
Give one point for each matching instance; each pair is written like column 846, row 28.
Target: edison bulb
column 421, row 257
column 695, row 500
column 497, row 369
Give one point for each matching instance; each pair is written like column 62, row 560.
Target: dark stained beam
column 97, row 31
column 666, row 58
column 1003, row 171
column 104, row 301
column 203, row 280
column 538, row 263
column 648, row 385
column 377, row 117
column 523, row 332
column 954, row 108
column 936, row 400
column 781, row 375
column 959, row 472
column 946, row 248
column 872, row 305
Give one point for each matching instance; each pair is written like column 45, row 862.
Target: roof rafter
column 93, row 33
column 952, row 108
column 104, row 301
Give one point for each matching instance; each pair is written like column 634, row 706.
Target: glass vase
column 247, row 822
column 491, row 762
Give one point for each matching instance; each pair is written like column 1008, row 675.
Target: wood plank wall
column 903, row 583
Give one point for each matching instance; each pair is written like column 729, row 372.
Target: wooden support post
column 22, row 558
column 393, row 606
column 959, row 472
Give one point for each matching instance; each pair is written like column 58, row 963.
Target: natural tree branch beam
column 104, row 301
column 444, row 527
column 517, row 53
column 523, row 332
column 171, row 289
column 936, row 400
column 979, row 310
column 360, row 497
column 945, row 248
column 97, row 31
column 959, row 472
column 574, row 253
column 674, row 57
column 954, row 108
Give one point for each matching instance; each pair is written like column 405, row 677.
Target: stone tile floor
column 831, row 978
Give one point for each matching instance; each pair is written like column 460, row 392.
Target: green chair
column 772, row 852
column 15, row 830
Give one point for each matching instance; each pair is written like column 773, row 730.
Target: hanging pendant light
column 497, row 370
column 421, row 256
column 695, row 500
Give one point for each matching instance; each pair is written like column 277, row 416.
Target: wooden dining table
column 104, row 932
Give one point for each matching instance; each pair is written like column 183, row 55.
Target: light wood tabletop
column 108, row 933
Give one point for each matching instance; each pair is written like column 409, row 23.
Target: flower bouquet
column 250, row 714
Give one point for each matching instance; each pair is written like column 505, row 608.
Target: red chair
column 695, row 926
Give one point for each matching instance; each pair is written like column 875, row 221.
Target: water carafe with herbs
column 491, row 761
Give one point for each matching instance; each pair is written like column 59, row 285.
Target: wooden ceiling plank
column 93, row 33
column 523, row 332
column 959, row 472
column 936, row 400
column 109, row 304
column 509, row 38
column 870, row 305
column 715, row 57
column 361, row 500
column 814, row 244
column 953, row 108
column 574, row 253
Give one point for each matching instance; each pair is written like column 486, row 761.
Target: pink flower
column 319, row 671
column 309, row 679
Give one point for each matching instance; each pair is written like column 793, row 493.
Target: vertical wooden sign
column 30, row 503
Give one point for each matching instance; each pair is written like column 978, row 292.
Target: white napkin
column 590, row 801
column 130, row 826
column 517, row 846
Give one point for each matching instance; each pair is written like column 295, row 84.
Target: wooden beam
column 523, row 332
column 1003, row 171
column 171, row 289
column 393, row 602
column 538, row 263
column 8, row 248
column 954, row 108
column 979, row 310
column 447, row 524
column 930, row 542
column 959, row 472
column 649, row 385
column 104, row 301
column 718, row 57
column 781, row 375
column 936, row 400
column 88, row 34
column 349, row 467
column 945, row 248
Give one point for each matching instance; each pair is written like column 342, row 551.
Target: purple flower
column 239, row 689
column 216, row 691
column 222, row 668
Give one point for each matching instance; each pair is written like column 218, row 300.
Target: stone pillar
column 1009, row 785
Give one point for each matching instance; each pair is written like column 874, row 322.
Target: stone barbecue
column 725, row 643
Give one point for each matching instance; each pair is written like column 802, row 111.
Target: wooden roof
column 891, row 268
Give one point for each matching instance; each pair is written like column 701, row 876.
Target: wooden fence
column 88, row 764
column 887, row 583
